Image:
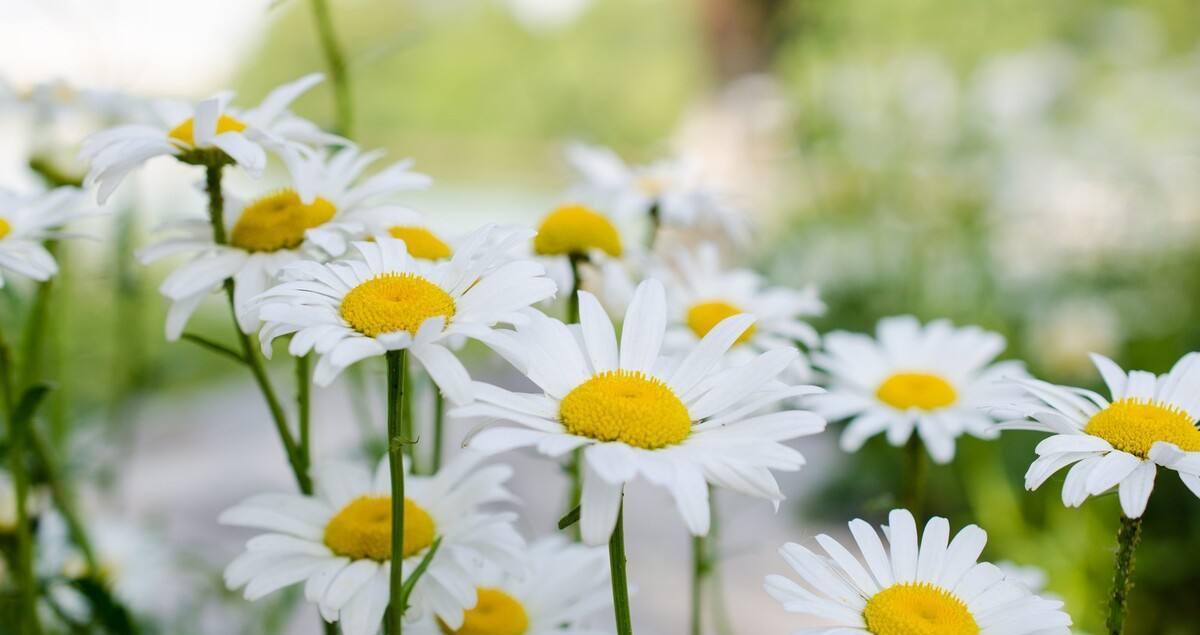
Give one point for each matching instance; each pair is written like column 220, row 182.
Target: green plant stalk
column 439, row 420
column 216, row 212
column 304, row 407
column 574, row 466
column 64, row 500
column 395, row 398
column 26, row 583
column 916, row 469
column 700, row 564
column 338, row 72
column 620, row 582
column 1128, row 537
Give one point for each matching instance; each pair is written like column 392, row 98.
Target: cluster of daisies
column 668, row 366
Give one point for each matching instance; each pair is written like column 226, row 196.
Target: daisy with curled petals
column 356, row 308
column 935, row 588
column 559, row 587
column 208, row 133
column 936, row 379
column 701, row 294
column 339, row 542
column 313, row 218
column 26, row 222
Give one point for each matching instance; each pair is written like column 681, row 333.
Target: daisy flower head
column 386, row 300
column 210, row 132
column 560, row 586
column 936, row 379
column 424, row 241
column 27, row 221
column 338, row 542
column 678, row 423
column 313, row 217
column 936, row 587
column 1150, row 422
column 701, row 293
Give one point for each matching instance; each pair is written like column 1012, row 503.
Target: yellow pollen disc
column 626, row 406
column 496, row 613
column 5, row 228
column 918, row 609
column 576, row 229
column 923, row 391
column 421, row 242
column 1134, row 425
column 278, row 221
column 703, row 316
column 185, row 132
column 395, row 302
column 363, row 529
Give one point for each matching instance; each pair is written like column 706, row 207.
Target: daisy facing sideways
column 701, row 293
column 936, row 379
column 1150, row 422
column 193, row 133
column 356, row 308
column 314, row 217
column 677, row 423
column 26, row 222
column 560, row 586
column 906, row 589
column 339, row 542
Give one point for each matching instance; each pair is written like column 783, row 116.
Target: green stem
column 439, row 419
column 620, row 582
column 26, row 582
column 338, row 73
column 304, row 407
column 1128, row 537
column 395, row 398
column 574, row 466
column 64, row 499
column 699, row 574
column 915, row 476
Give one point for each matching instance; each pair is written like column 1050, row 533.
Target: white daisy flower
column 339, row 542
column 559, row 587
column 192, row 133
column 312, row 218
column 673, row 190
column 678, row 423
column 701, row 293
column 936, row 379
column 424, row 241
column 1150, row 422
column 26, row 222
column 352, row 309
column 937, row 587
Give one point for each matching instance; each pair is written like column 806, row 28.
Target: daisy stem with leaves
column 23, row 565
column 395, row 403
column 1128, row 537
column 620, row 582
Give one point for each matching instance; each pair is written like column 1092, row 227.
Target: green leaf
column 110, row 614
column 407, row 587
column 571, row 518
column 28, row 404
column 215, row 347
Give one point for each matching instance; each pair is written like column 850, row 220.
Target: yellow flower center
column 185, row 132
column 363, row 529
column 496, row 613
column 1134, row 425
column 626, row 406
column 5, row 228
column 395, row 302
column 576, row 229
column 924, row 391
column 703, row 316
column 918, row 609
column 278, row 221
column 421, row 242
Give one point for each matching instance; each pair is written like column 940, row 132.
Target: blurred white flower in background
column 1065, row 333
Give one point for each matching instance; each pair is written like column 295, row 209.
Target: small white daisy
column 937, row 588
column 339, row 542
column 352, row 309
column 26, row 222
column 701, row 293
column 426, row 242
column 191, row 132
column 314, row 217
column 559, row 587
column 678, row 423
column 674, row 190
column 936, row 379
column 1150, row 422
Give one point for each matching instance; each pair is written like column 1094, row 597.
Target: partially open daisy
column 936, row 379
column 314, row 216
column 26, row 222
column 207, row 132
column 1150, row 422
column 701, row 294
column 353, row 309
column 936, row 588
column 677, row 423
column 338, row 542
column 559, row 587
